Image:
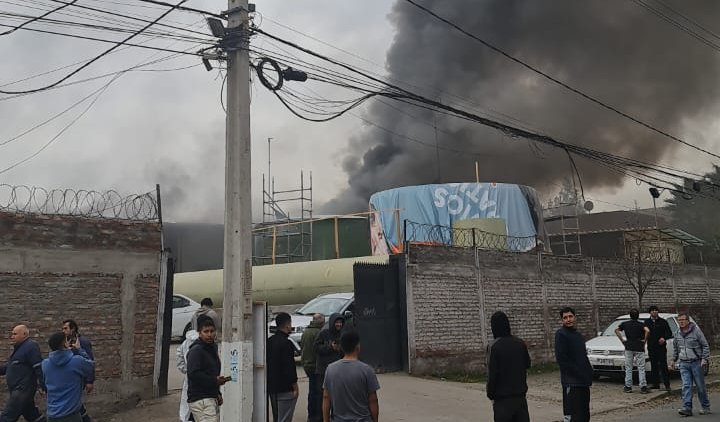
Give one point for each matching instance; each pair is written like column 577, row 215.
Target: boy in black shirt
column 636, row 334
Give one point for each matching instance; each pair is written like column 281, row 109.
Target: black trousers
column 576, row 403
column 512, row 409
column 21, row 403
column 659, row 366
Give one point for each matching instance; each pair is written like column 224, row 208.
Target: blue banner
column 446, row 204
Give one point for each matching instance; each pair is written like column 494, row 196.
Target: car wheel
column 187, row 328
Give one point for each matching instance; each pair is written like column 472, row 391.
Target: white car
column 183, row 310
column 334, row 303
column 607, row 354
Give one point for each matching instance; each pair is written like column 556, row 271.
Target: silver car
column 341, row 303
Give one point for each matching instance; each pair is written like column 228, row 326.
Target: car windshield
column 610, row 330
column 323, row 305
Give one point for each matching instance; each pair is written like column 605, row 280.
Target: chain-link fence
column 84, row 203
column 429, row 234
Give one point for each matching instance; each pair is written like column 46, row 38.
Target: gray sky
column 168, row 127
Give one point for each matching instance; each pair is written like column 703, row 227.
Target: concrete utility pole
column 237, row 333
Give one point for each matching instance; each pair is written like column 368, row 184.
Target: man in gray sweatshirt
column 690, row 355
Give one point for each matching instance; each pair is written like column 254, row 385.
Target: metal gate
column 380, row 314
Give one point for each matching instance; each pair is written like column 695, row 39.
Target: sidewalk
column 406, row 398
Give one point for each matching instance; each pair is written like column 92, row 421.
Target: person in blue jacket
column 23, row 375
column 72, row 333
column 65, row 369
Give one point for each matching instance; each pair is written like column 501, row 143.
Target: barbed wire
column 81, row 202
column 429, row 234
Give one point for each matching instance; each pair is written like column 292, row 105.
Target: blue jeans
column 21, row 403
column 691, row 371
column 634, row 359
column 314, row 405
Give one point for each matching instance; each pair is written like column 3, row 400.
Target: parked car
column 183, row 310
column 342, row 303
column 607, row 354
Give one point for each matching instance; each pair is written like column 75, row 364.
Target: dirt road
column 406, row 398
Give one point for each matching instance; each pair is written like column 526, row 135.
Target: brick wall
column 452, row 292
column 102, row 273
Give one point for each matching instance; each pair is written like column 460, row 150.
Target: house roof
column 638, row 225
column 612, row 221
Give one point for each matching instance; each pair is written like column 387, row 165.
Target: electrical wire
column 93, row 59
column 187, row 9
column 679, row 25
column 646, row 172
column 98, row 57
column 117, row 74
column 37, row 75
column 93, row 78
column 115, row 29
column 559, row 82
column 10, row 31
column 63, row 130
column 141, row 19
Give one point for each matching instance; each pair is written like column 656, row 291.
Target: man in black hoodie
column 327, row 348
column 575, row 369
column 281, row 371
column 507, row 372
column 203, row 372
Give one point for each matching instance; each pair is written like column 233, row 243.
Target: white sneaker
column 705, row 411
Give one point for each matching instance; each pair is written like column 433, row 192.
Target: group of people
column 62, row 377
column 509, row 360
column 340, row 386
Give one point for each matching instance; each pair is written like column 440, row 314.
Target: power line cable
column 37, row 75
column 82, row 100
column 82, row 37
column 10, row 31
column 148, row 33
column 113, row 13
column 677, row 24
column 439, row 92
column 559, row 82
column 93, row 78
column 63, row 130
column 187, row 9
column 101, row 55
column 629, row 167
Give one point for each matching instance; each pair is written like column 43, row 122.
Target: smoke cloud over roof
column 617, row 52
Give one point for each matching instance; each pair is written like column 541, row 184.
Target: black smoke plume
column 615, row 51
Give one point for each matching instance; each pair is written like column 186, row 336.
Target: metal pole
column 656, row 225
column 269, row 139
column 237, row 333
column 398, row 234
column 337, row 238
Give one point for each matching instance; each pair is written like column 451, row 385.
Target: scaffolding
column 290, row 237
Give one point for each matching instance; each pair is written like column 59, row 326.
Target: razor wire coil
column 108, row 204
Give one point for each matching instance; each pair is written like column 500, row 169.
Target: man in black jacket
column 660, row 332
column 507, row 372
column 203, row 372
column 281, row 371
column 23, row 373
column 575, row 369
column 327, row 348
